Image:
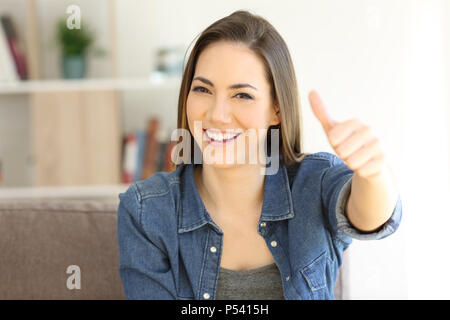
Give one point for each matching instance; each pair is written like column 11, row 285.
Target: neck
column 234, row 190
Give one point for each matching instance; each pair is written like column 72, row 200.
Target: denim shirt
column 170, row 248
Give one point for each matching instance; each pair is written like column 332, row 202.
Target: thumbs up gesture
column 352, row 140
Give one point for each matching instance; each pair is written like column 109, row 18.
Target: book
column 15, row 46
column 129, row 158
column 161, row 155
column 136, row 157
column 151, row 149
column 141, row 145
column 163, row 141
column 8, row 70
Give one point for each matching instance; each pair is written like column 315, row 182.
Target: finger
column 372, row 168
column 320, row 111
column 355, row 141
column 343, row 130
column 364, row 154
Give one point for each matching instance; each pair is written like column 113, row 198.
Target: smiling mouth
column 220, row 137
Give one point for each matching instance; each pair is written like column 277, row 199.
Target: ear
column 276, row 117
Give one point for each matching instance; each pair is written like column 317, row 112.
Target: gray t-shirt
column 262, row 283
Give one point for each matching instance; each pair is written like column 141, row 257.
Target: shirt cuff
column 344, row 226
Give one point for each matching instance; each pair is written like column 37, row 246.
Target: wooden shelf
column 24, row 87
column 67, row 192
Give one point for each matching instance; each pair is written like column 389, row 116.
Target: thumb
column 320, row 111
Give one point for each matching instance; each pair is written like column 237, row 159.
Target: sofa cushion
column 40, row 240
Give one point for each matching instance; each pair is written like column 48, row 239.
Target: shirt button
column 213, row 249
column 263, row 224
column 206, row 295
column 273, row 243
column 287, row 278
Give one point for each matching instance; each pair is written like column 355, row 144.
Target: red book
column 15, row 47
column 152, row 149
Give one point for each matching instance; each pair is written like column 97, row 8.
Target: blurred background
column 83, row 114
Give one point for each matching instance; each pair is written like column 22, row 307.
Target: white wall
column 425, row 150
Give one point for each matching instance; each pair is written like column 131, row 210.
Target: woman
column 226, row 228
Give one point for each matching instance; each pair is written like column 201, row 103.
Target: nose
column 220, row 112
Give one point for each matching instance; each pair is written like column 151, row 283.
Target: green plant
column 73, row 41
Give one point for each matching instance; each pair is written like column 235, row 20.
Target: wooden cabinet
column 76, row 137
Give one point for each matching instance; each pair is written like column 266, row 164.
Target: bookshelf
column 73, row 129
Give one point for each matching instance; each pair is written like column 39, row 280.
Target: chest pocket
column 315, row 275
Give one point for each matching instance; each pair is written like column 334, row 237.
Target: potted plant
column 74, row 45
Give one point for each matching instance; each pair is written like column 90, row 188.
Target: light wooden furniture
column 32, row 41
column 76, row 137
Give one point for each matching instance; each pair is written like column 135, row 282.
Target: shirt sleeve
column 336, row 187
column 144, row 268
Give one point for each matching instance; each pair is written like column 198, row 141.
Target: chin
column 222, row 163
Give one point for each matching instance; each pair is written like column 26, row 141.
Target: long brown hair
column 262, row 38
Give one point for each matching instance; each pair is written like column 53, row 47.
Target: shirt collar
column 277, row 203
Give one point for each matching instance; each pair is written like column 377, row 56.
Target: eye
column 244, row 96
column 200, row 89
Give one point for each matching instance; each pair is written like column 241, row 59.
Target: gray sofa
column 40, row 239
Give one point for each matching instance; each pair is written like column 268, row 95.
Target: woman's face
column 230, row 95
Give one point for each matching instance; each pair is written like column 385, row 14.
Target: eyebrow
column 234, row 86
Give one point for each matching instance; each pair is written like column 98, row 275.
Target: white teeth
column 220, row 136
column 229, row 136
